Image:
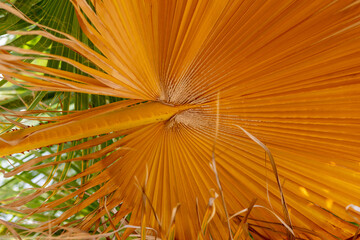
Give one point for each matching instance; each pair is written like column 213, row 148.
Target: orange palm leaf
column 285, row 71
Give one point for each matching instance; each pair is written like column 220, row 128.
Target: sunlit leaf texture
column 189, row 119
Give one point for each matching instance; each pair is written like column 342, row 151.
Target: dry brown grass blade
column 138, row 236
column 273, row 213
column 283, row 202
column 213, row 164
column 356, row 209
column 171, row 233
column 75, row 234
column 208, row 216
column 243, row 228
column 26, row 113
column 10, row 228
column 111, row 222
column 18, row 124
column 198, row 213
column 145, row 200
column 357, row 234
column 143, row 209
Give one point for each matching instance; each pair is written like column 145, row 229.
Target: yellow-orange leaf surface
column 288, row 72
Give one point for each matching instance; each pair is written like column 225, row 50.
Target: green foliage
column 58, row 15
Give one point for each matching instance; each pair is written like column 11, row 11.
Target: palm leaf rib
column 85, row 125
column 288, row 72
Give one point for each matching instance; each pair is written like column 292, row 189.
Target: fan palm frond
column 286, row 72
